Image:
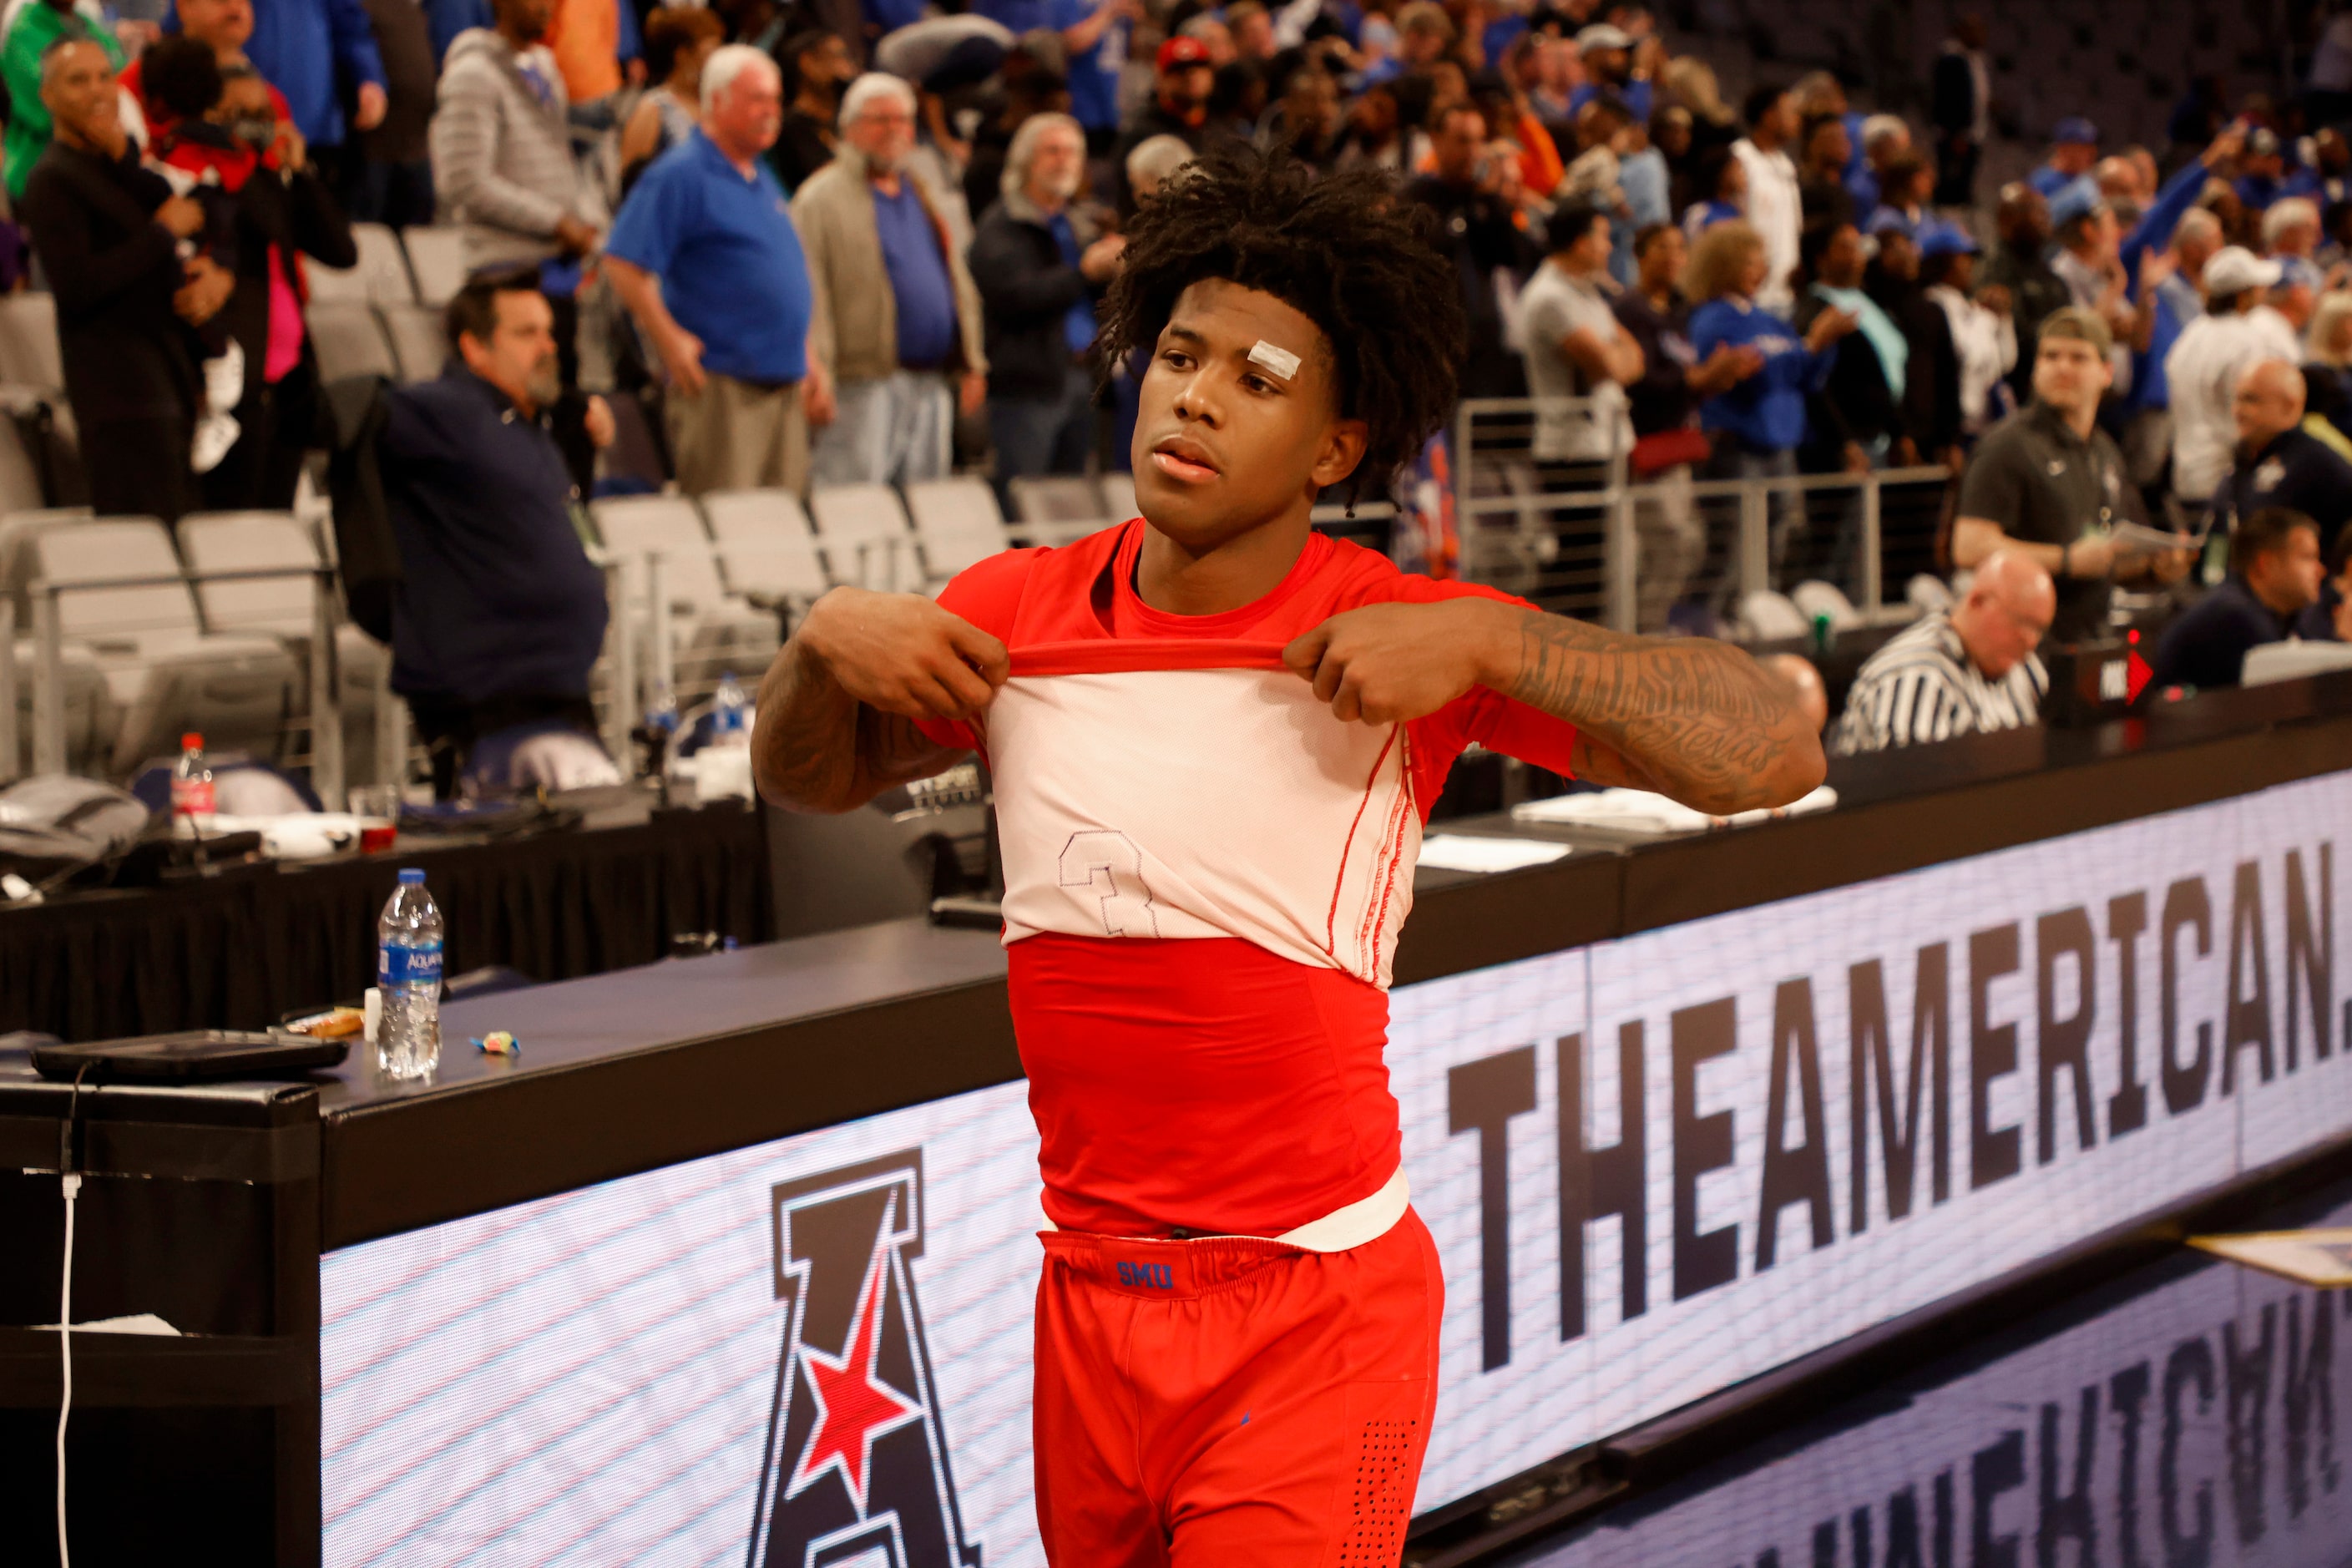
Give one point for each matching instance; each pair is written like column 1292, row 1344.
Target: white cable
column 65, row 1350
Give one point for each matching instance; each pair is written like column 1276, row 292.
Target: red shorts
column 1231, row 1401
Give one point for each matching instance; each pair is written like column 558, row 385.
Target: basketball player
column 1216, row 735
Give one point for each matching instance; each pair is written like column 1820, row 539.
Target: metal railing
column 1569, row 534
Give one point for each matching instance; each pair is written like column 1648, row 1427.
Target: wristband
column 2066, row 560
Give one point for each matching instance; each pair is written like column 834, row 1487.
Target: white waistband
column 1366, row 1219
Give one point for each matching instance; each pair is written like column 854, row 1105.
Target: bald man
column 1959, row 671
column 2278, row 463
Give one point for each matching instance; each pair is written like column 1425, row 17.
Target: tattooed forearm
column 1699, row 719
column 817, row 748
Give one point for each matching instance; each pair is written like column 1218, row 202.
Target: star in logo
column 853, row 1406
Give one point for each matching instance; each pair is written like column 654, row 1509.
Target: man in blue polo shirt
column 704, row 256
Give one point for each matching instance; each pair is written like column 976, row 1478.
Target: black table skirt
column 242, row 950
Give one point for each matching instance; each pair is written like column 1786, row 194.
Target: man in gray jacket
column 502, row 149
column 896, row 320
column 501, row 145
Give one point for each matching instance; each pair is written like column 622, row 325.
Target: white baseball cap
column 2233, row 269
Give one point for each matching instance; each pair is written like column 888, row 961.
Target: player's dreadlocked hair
column 1342, row 249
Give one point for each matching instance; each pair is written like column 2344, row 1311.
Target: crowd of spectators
column 826, row 244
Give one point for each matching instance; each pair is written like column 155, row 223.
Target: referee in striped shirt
column 1958, row 671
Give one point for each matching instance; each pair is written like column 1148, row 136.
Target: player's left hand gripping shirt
column 1205, row 875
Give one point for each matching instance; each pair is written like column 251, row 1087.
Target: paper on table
column 1461, row 852
column 1645, row 811
column 136, row 1324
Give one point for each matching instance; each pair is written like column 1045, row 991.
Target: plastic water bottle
column 408, row 975
column 730, row 715
column 661, row 712
column 191, row 790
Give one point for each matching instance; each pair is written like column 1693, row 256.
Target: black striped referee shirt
column 1922, row 688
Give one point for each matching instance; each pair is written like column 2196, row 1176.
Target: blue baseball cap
column 1947, row 239
column 1888, row 219
column 2076, row 129
column 2076, row 198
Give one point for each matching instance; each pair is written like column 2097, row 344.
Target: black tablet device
column 191, row 1056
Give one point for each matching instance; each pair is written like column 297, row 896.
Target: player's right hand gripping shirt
column 1205, row 874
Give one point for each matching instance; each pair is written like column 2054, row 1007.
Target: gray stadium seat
column 348, row 341
column 713, row 630
column 381, row 276
column 436, row 260
column 766, row 545
column 957, row 524
column 17, row 567
column 30, row 355
column 20, row 477
column 164, row 671
column 419, row 345
column 281, row 607
column 1055, row 509
column 867, row 542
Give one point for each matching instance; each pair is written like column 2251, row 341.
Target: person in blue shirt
column 1608, row 56
column 1096, row 36
column 2178, row 303
column 704, row 256
column 1723, row 178
column 2074, row 148
column 1040, row 266
column 310, row 50
column 1756, row 425
column 2265, row 177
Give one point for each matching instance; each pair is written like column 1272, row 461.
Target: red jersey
column 1205, row 874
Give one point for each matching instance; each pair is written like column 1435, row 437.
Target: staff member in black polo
column 2048, row 482
column 2278, row 462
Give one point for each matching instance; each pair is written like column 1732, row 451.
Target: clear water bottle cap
column 411, row 877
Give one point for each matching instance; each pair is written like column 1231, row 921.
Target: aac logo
column 857, row 1462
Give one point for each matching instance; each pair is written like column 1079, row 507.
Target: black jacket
column 1855, row 405
column 497, row 597
column 2206, row 649
column 113, row 270
column 1931, row 390
column 1953, row 94
column 1476, row 234
column 2296, row 470
column 1026, row 291
column 287, row 214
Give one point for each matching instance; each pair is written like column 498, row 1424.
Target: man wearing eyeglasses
column 897, row 320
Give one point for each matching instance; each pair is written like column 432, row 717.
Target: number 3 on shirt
column 1109, row 861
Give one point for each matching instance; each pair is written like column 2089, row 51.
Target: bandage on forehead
column 1280, row 364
